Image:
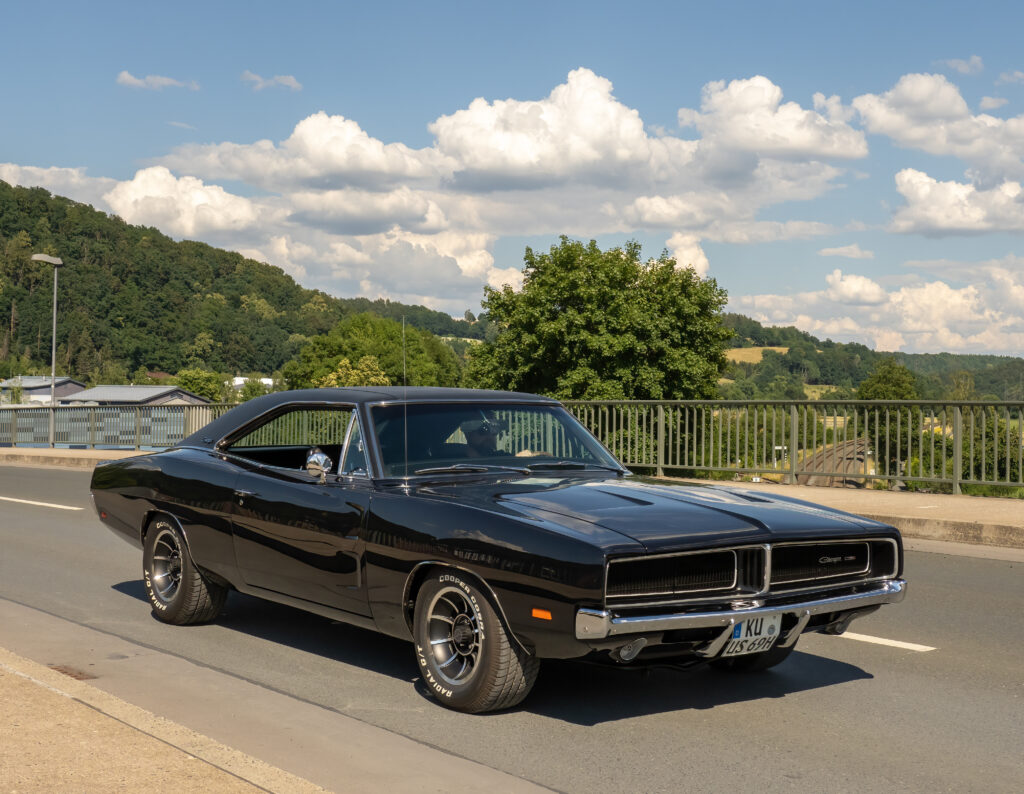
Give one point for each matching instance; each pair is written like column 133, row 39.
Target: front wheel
column 464, row 654
column 177, row 590
column 753, row 662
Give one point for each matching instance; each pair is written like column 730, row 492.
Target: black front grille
column 808, row 563
column 684, row 574
column 718, row 575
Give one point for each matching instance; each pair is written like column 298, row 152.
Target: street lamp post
column 57, row 264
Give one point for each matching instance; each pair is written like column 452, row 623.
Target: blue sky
column 854, row 169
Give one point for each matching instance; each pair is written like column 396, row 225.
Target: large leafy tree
column 889, row 380
column 593, row 324
column 428, row 361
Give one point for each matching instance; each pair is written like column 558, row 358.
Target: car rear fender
column 423, row 569
column 152, row 515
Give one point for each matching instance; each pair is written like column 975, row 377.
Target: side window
column 354, row 462
column 285, row 440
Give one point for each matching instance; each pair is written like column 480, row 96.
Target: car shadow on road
column 571, row 691
column 307, row 632
column 590, row 694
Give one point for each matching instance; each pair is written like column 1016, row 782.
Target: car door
column 293, row 533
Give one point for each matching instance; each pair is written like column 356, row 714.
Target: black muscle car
column 491, row 529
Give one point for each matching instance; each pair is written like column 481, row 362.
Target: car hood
column 666, row 517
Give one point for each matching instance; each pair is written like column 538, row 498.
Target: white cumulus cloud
column 858, row 290
column 259, row 83
column 579, row 130
column 687, row 251
column 183, row 206
column 927, row 112
column 154, row 82
column 937, row 208
column 73, row 182
column 323, row 151
column 972, row 65
column 749, row 115
column 984, row 315
column 849, row 251
column 992, row 102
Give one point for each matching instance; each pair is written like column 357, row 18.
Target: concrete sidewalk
column 59, row 733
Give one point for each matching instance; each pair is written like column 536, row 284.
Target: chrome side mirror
column 318, row 464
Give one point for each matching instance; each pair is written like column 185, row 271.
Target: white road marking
column 908, row 646
column 39, row 504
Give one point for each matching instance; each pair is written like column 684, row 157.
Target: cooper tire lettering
column 465, row 656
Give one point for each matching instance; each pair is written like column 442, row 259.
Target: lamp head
column 50, row 260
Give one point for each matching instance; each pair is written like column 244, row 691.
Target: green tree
column 593, row 324
column 202, row 382
column 427, row 361
column 888, row 381
column 366, row 372
column 141, row 377
column 963, row 387
column 253, row 387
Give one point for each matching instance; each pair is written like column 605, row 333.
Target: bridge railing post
column 791, row 477
column 958, row 447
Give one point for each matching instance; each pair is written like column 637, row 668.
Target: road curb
column 62, row 459
column 972, row 532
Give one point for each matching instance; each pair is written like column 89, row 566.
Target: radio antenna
column 405, row 402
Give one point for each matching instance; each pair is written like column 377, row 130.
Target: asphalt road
column 840, row 715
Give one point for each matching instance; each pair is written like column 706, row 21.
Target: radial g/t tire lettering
column 464, row 654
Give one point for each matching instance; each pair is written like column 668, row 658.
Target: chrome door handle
column 241, row 494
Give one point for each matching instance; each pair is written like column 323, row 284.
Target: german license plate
column 753, row 635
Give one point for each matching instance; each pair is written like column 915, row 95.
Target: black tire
column 465, row 656
column 753, row 662
column 178, row 592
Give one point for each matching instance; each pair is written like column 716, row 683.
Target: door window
column 286, row 440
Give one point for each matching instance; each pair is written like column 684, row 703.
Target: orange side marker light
column 541, row 614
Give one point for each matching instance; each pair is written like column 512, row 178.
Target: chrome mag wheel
column 166, row 573
column 454, row 632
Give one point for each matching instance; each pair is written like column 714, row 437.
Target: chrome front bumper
column 594, row 624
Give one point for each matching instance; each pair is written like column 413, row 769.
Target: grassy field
column 815, row 390
column 751, row 355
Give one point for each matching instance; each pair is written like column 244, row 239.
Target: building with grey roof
column 36, row 388
column 134, row 395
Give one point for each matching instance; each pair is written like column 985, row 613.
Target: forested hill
column 806, row 360
column 133, row 297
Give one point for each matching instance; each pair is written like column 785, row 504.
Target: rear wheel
column 177, row 590
column 465, row 656
column 753, row 662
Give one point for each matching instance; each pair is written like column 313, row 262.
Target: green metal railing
column 819, row 442
column 812, row 442
column 118, row 427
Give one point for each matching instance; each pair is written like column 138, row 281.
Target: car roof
column 208, row 435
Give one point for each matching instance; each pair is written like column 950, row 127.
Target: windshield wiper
column 459, row 468
column 572, row 464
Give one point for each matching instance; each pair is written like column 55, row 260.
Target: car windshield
column 422, row 436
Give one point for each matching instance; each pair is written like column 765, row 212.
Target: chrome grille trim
column 764, row 587
column 710, row 594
